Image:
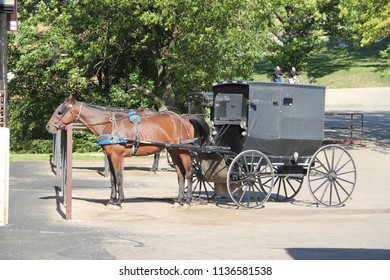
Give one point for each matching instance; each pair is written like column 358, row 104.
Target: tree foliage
column 296, row 31
column 127, row 53
column 369, row 19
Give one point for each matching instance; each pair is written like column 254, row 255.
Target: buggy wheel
column 331, row 175
column 200, row 186
column 286, row 187
column 250, row 179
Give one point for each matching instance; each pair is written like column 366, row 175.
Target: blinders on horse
column 63, row 109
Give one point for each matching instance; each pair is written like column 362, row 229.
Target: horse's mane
column 119, row 110
column 110, row 109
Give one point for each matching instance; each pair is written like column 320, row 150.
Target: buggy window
column 230, row 107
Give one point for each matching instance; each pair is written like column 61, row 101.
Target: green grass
column 28, row 157
column 340, row 68
column 14, row 157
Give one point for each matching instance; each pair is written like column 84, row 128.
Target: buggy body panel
column 281, row 118
column 284, row 119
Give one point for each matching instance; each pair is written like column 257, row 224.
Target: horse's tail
column 201, row 129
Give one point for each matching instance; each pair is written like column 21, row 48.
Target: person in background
column 293, row 76
column 278, row 75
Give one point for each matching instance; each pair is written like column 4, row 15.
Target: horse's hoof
column 176, row 205
column 113, row 206
column 117, row 207
column 186, row 206
column 109, row 206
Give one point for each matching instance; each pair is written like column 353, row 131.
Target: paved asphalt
column 150, row 227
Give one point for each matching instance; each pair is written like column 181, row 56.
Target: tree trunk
column 165, row 88
column 165, row 76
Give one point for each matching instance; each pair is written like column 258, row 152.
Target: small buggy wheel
column 331, row 175
column 250, row 179
column 286, row 187
column 200, row 186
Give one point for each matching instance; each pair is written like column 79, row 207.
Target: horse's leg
column 185, row 157
column 116, row 177
column 117, row 162
column 113, row 196
column 180, row 174
column 155, row 163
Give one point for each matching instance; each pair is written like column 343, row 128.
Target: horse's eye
column 61, row 110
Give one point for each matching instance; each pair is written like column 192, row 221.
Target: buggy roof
column 264, row 84
column 207, row 96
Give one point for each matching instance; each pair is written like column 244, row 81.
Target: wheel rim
column 250, row 179
column 331, row 175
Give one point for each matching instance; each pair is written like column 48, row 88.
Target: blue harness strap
column 134, row 117
column 110, row 139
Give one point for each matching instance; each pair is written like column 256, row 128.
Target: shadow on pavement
column 376, row 128
column 338, row 254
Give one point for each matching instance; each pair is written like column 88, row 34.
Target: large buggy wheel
column 250, row 179
column 331, row 175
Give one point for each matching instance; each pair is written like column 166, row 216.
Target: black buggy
column 265, row 138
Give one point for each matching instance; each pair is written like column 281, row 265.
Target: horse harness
column 135, row 118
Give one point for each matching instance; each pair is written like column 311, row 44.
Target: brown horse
column 122, row 134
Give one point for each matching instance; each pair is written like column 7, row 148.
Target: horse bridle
column 64, row 109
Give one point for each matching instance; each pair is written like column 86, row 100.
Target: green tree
column 369, row 19
column 127, row 53
column 194, row 43
column 44, row 72
column 297, row 28
column 370, row 22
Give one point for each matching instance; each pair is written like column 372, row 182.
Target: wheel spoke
column 242, row 195
column 322, row 165
column 319, row 178
column 264, row 176
column 341, row 187
column 284, row 187
column 252, row 162
column 278, row 181
column 337, row 170
column 338, row 161
column 269, row 180
column 291, row 186
column 327, row 161
column 325, row 190
column 337, row 192
column 320, row 186
column 345, row 173
column 346, row 181
column 261, row 170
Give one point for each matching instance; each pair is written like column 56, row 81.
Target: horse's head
column 62, row 116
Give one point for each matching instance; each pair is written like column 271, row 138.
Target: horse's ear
column 71, row 99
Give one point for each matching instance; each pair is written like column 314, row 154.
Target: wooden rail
column 348, row 124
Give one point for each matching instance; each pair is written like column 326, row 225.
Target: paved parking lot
column 150, row 227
